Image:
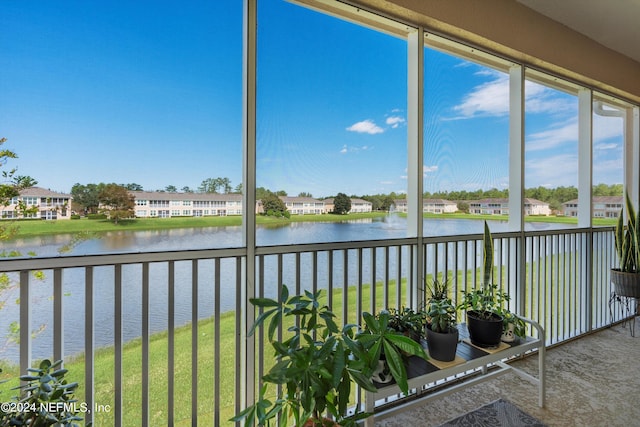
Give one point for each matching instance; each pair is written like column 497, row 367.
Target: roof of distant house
column 599, row 199
column 41, row 192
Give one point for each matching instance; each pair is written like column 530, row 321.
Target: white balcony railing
column 558, row 278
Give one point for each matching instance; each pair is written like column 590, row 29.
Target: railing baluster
column 217, row 346
column 145, row 344
column 194, row 343
column 117, row 334
column 171, row 313
column 89, row 391
column 58, row 315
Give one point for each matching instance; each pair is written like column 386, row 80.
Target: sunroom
column 412, row 100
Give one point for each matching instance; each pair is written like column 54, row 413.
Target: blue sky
column 150, row 92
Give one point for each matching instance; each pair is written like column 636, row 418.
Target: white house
column 603, row 206
column 48, row 205
column 166, row 205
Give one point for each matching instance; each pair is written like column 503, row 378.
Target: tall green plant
column 487, row 299
column 628, row 238
column 487, row 256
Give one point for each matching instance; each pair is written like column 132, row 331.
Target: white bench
column 475, row 365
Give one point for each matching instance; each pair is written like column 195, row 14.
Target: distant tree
column 117, row 202
column 224, row 184
column 341, row 204
column 132, row 186
column 85, row 197
column 274, row 206
column 209, row 185
column 186, row 189
column 171, row 189
column 21, row 181
column 281, row 193
column 304, row 194
column 261, row 192
column 463, row 207
column 238, row 189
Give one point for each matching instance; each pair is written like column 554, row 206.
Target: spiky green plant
column 627, row 238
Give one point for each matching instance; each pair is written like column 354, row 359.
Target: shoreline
column 39, row 228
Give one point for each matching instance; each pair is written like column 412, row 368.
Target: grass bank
column 35, row 228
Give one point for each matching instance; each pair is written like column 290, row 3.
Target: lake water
column 183, row 239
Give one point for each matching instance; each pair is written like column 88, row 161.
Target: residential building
column 303, row 205
column 357, row 205
column 500, row 206
column 603, row 206
column 437, row 206
column 167, row 205
column 46, row 204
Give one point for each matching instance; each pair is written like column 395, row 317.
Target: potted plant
column 626, row 278
column 316, row 363
column 483, row 305
column 441, row 330
column 408, row 322
column 513, row 327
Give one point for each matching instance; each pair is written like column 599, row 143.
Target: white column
column 516, row 151
column 415, row 154
column 585, row 156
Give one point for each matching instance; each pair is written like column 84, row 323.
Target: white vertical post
column 585, row 156
column 516, row 144
column 415, row 153
column 585, row 201
column 632, row 154
column 516, row 280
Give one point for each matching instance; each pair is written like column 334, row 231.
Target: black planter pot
column 484, row 332
column 625, row 284
column 442, row 345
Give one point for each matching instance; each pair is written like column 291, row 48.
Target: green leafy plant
column 379, row 338
column 438, row 289
column 440, row 311
column 442, row 315
column 488, row 299
column 316, row 362
column 519, row 326
column 408, row 322
column 47, row 399
column 628, row 238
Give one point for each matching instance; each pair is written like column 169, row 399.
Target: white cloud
column 559, row 134
column 427, row 169
column 562, row 170
column 365, row 126
column 395, row 121
column 491, row 98
column 351, row 149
